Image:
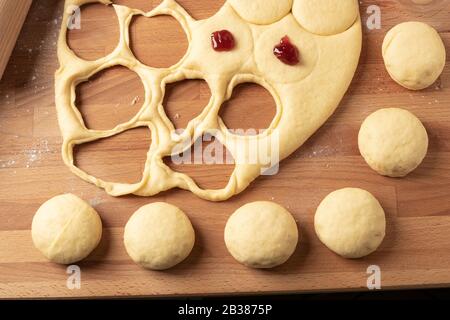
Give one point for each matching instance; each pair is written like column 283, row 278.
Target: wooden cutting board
column 415, row 253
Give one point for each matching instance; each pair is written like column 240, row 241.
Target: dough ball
column 261, row 235
column 159, row 236
column 393, row 142
column 414, row 55
column 262, row 11
column 66, row 229
column 326, row 17
column 350, row 222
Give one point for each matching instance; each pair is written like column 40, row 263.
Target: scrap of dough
column 350, row 222
column 414, row 55
column 159, row 236
column 393, row 142
column 261, row 235
column 326, row 17
column 66, row 229
column 306, row 95
column 262, row 11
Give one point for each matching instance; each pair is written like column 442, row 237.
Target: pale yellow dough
column 414, row 55
column 350, row 222
column 393, row 142
column 326, row 17
column 261, row 235
column 66, row 229
column 306, row 95
column 159, row 236
column 262, row 11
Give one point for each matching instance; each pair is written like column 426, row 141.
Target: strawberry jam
column 222, row 41
column 286, row 52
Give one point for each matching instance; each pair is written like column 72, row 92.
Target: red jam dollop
column 286, row 52
column 222, row 41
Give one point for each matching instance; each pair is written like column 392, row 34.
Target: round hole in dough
column 66, row 229
column 350, row 222
column 88, row 17
column 159, row 236
column 414, row 55
column 146, row 34
column 256, row 117
column 261, row 11
column 393, row 142
column 261, row 235
column 326, row 17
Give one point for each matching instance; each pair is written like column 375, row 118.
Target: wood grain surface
column 415, row 253
column 12, row 16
